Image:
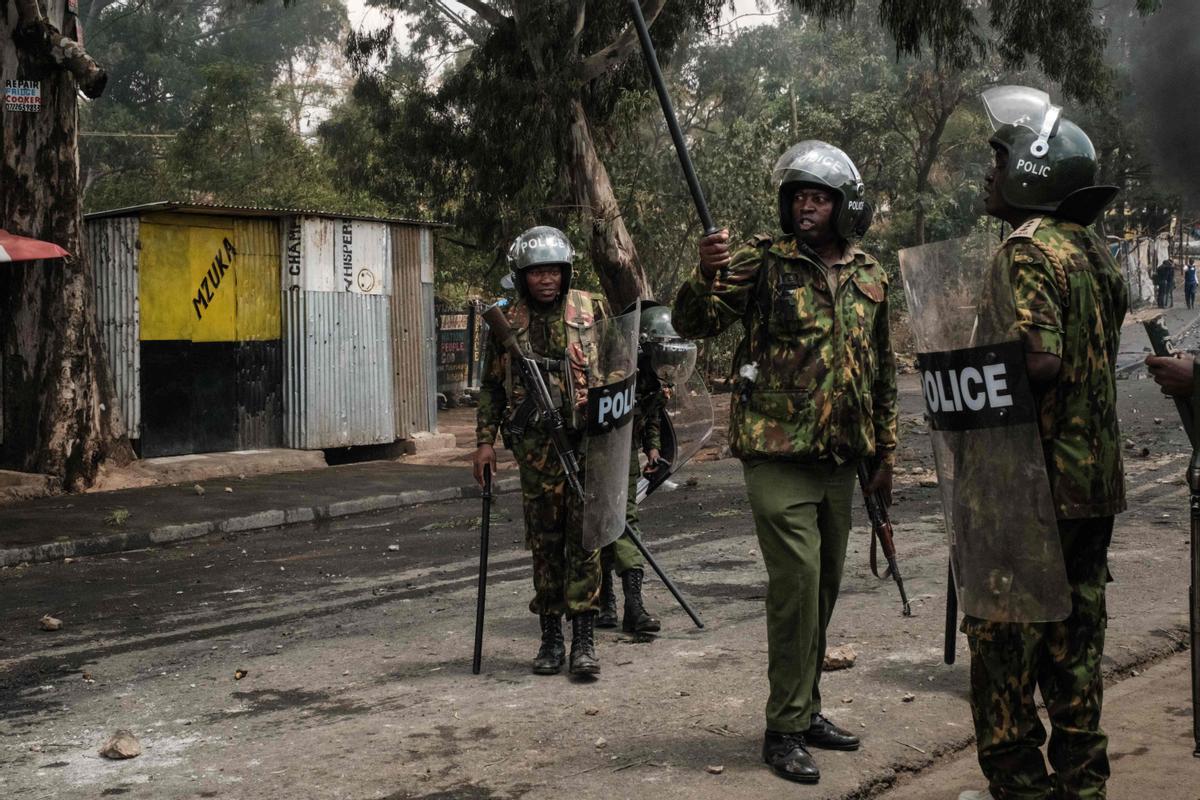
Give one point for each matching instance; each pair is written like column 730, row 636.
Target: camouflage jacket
column 555, row 337
column 1070, row 300
column 826, row 386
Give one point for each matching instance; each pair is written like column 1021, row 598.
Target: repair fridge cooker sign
column 976, row 388
column 23, row 96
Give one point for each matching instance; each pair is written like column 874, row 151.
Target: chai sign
column 612, row 406
column 978, row 387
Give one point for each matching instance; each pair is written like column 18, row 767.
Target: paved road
column 358, row 679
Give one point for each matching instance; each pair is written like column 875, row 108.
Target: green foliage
column 1064, row 38
column 206, row 100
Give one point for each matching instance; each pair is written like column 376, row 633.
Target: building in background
column 233, row 328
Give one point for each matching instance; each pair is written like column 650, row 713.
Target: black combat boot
column 552, row 653
column 824, row 734
column 636, row 620
column 608, row 601
column 583, row 645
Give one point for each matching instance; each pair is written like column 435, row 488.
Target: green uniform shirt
column 826, row 386
column 1078, row 412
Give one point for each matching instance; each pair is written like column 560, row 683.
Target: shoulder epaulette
column 761, row 240
column 1025, row 230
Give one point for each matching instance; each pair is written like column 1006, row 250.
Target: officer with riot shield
column 664, row 360
column 558, row 386
column 816, row 395
column 1017, row 363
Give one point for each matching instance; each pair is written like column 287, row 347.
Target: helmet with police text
column 540, row 246
column 1051, row 161
column 671, row 357
column 816, row 163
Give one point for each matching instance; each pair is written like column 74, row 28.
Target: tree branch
column 36, row 35
column 579, row 11
column 485, row 12
column 608, row 57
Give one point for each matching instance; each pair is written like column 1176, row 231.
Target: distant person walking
column 1189, row 283
column 1165, row 280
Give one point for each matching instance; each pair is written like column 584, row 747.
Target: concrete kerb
column 121, row 541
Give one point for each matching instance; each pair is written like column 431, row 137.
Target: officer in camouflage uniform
column 816, row 394
column 1070, row 300
column 548, row 319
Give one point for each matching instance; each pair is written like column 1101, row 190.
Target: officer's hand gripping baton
column 881, row 531
column 484, row 529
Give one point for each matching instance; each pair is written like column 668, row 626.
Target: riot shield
column 1004, row 546
column 611, row 357
column 687, row 424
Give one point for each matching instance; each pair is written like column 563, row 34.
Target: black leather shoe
column 788, row 757
column 608, row 601
column 824, row 734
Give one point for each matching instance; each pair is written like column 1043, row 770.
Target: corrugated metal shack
column 232, row 328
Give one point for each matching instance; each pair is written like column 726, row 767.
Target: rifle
column 1160, row 340
column 881, row 532
column 484, row 529
column 549, row 413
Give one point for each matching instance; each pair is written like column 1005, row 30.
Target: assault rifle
column 881, row 533
column 1160, row 340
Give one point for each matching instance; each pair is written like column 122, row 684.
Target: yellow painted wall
column 183, row 293
column 258, row 269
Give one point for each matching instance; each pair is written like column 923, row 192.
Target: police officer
column 663, row 357
column 549, row 318
column 816, row 394
column 1070, row 299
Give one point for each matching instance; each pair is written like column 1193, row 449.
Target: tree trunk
column 613, row 252
column 58, row 414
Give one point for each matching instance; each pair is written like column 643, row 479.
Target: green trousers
column 802, row 517
column 623, row 555
column 566, row 577
column 1062, row 659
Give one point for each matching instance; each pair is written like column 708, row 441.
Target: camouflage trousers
column 566, row 578
column 1062, row 660
column 623, row 555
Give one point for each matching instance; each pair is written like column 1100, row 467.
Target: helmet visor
column 1024, row 107
column 672, row 359
column 816, row 162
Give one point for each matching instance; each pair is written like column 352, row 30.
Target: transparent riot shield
column 611, row 357
column 687, row 424
column 1004, row 546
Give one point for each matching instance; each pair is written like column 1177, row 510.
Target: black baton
column 951, row 616
column 484, row 530
column 664, row 99
column 671, row 587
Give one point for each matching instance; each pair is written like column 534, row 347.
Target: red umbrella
column 22, row 248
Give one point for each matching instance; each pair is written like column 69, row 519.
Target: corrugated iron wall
column 413, row 331
column 338, row 366
column 259, row 354
column 113, row 248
